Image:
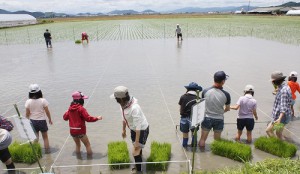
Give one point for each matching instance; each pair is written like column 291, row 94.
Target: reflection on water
column 155, row 71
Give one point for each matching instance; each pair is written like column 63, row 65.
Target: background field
column 279, row 28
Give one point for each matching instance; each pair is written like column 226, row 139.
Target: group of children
column 246, row 105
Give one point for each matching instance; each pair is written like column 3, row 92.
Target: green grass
column 23, row 153
column 78, row 41
column 159, row 152
column 232, row 150
column 276, row 147
column 118, row 153
column 268, row 166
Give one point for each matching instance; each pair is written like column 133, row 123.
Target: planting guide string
column 11, row 104
column 97, row 84
column 165, row 102
column 264, row 113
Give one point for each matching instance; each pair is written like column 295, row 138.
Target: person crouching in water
column 77, row 116
column 186, row 102
column 247, row 109
column 5, row 156
column 135, row 120
column 84, row 36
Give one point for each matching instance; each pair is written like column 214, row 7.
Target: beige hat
column 249, row 88
column 277, row 75
column 119, row 92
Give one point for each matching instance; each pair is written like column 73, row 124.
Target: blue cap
column 220, row 75
column 193, row 86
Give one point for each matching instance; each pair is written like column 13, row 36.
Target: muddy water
column 155, row 72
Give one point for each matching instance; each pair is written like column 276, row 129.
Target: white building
column 293, row 13
column 12, row 20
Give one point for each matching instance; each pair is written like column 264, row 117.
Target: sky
column 104, row 6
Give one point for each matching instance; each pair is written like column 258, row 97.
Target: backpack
column 6, row 124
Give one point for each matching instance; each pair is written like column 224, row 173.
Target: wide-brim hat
column 277, row 75
column 193, row 86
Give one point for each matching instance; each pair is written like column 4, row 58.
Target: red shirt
column 77, row 116
column 294, row 87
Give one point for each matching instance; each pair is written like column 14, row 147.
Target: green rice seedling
column 160, row 152
column 276, row 147
column 118, row 153
column 278, row 127
column 268, row 166
column 232, row 150
column 78, row 41
column 24, row 153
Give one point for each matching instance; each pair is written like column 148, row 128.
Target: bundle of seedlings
column 78, row 41
column 23, row 153
column 161, row 153
column 118, row 153
column 233, row 150
column 276, row 147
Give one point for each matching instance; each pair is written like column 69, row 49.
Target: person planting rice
column 84, row 36
column 37, row 110
column 77, row 115
column 135, row 120
column 294, row 86
column 186, row 102
column 247, row 109
column 215, row 100
column 282, row 111
column 178, row 33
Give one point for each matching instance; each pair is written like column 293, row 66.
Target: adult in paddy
column 178, row 33
column 135, row 120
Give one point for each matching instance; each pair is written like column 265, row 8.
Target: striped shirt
column 283, row 102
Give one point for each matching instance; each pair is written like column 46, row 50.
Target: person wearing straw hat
column 135, row 120
column 247, row 110
column 77, row 115
column 186, row 102
column 178, row 33
column 37, row 111
column 217, row 102
column 294, row 85
column 282, row 110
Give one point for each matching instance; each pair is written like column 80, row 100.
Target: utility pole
column 248, row 6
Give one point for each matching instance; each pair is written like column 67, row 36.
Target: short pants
column 143, row 136
column 245, row 122
column 209, row 123
column 39, row 125
column 78, row 136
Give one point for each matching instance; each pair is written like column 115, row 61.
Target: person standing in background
column 294, row 85
column 47, row 36
column 178, row 33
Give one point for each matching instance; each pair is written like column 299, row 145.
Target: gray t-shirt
column 5, row 139
column 215, row 100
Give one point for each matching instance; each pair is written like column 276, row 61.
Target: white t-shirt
column 36, row 107
column 5, row 139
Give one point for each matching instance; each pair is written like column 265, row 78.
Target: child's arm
column 89, row 118
column 235, row 107
column 48, row 114
column 255, row 114
column 27, row 113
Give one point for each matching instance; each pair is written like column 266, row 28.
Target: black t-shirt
column 186, row 102
column 47, row 35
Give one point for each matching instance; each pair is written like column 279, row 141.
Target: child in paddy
column 37, row 111
column 294, row 86
column 247, row 109
column 77, row 116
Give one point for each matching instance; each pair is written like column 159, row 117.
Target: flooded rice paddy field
column 155, row 71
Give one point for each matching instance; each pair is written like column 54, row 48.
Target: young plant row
column 23, row 153
column 160, row 154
